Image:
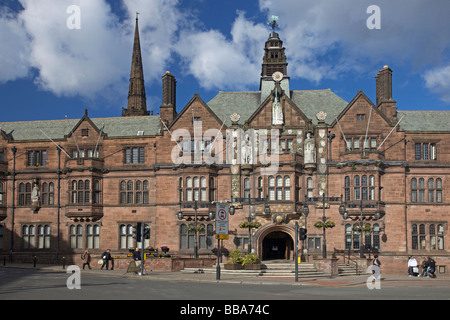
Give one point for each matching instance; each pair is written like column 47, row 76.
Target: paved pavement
column 347, row 280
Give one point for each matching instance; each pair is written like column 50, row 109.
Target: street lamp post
column 180, row 217
column 250, row 218
column 361, row 244
column 324, row 218
column 376, row 216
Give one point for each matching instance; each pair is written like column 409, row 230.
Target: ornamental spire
column 137, row 104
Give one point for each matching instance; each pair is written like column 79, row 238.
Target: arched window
column 202, row 189
column 28, row 237
column 357, row 188
column 43, row 236
column 24, row 194
column 212, row 188
column 246, row 188
column 287, row 189
column 364, row 190
column 430, row 190
column 347, row 188
column 271, row 183
column 126, row 236
column 76, row 236
column 371, row 187
column 413, row 190
column 439, row 190
column 1, row 193
column 93, row 236
column 260, row 187
column 309, row 188
column 421, row 190
column 189, row 191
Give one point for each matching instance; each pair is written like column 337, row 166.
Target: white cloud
column 412, row 32
column 221, row 63
column 14, row 50
column 322, row 38
column 74, row 62
column 438, row 81
column 93, row 61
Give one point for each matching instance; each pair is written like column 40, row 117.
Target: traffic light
column 303, row 233
column 146, row 234
column 137, row 232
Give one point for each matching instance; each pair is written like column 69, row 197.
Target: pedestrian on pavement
column 412, row 263
column 431, row 267
column 106, row 257
column 137, row 257
column 424, row 266
column 376, row 262
column 86, row 257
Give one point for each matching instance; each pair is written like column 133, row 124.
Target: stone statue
column 277, row 113
column 309, row 149
column 246, row 150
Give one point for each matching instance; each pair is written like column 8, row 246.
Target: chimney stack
column 384, row 93
column 168, row 106
column 384, row 85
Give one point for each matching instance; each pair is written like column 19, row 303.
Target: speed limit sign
column 221, row 218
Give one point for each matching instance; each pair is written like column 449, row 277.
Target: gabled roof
column 59, row 129
column 243, row 103
column 359, row 95
column 310, row 102
column 424, row 121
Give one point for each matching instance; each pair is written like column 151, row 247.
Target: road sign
column 222, row 218
column 222, row 236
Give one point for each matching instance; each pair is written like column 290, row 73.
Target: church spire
column 137, row 105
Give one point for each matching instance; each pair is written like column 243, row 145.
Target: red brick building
column 68, row 185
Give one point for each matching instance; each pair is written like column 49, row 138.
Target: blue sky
column 48, row 71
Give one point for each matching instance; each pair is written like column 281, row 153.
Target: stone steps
column 279, row 270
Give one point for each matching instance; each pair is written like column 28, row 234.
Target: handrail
column 352, row 257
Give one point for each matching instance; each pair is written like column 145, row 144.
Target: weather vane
column 273, row 23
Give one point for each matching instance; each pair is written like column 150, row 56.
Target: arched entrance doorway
column 277, row 245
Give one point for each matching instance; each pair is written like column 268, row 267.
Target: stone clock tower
column 274, row 61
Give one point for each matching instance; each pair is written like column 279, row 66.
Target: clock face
column 277, row 76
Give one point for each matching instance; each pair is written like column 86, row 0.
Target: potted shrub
column 235, row 263
column 251, row 262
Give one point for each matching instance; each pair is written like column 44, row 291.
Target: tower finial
column 273, row 23
column 137, row 15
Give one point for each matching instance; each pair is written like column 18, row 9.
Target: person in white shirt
column 412, row 263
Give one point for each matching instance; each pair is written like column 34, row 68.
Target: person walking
column 431, row 267
column 412, row 263
column 106, row 257
column 376, row 262
column 86, row 257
